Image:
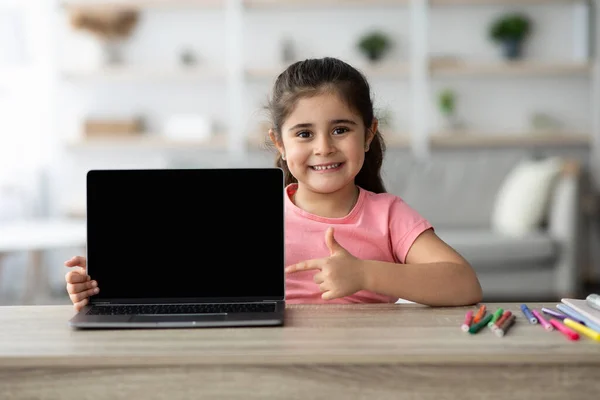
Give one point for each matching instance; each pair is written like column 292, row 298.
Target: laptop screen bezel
column 185, row 300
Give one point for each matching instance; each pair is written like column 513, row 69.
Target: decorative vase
column 374, row 56
column 512, row 48
column 452, row 123
column 112, row 52
column 288, row 52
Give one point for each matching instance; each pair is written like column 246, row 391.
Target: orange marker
column 480, row 314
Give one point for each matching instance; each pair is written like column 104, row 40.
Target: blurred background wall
column 469, row 92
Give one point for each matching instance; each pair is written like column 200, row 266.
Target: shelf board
column 383, row 70
column 142, row 73
column 438, row 68
column 397, row 140
column 149, row 141
column 322, row 3
column 386, row 70
column 393, row 140
column 496, row 2
column 494, row 140
column 141, row 4
column 515, row 68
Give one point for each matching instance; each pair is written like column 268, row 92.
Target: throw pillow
column 524, row 196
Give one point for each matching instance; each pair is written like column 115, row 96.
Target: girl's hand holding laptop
column 80, row 286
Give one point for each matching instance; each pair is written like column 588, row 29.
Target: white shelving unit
column 419, row 71
column 487, row 140
column 149, row 141
column 270, row 4
column 144, row 74
column 397, row 70
column 491, row 2
column 141, row 4
column 461, row 68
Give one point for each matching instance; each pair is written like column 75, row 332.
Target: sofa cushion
column 522, row 201
column 487, row 249
column 452, row 190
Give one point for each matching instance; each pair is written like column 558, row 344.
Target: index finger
column 77, row 261
column 304, row 266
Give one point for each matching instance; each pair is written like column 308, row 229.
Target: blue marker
column 528, row 314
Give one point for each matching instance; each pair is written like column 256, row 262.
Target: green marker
column 495, row 317
column 477, row 327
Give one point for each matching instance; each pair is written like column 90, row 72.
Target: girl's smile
column 327, row 168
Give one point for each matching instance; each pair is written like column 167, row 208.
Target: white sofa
column 458, row 195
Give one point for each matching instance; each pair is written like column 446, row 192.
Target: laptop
column 185, row 248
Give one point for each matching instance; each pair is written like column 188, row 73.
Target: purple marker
column 554, row 313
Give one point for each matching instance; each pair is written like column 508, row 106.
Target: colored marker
column 477, row 327
column 528, row 314
column 467, row 323
column 582, row 329
column 503, row 318
column 495, row 317
column 575, row 316
column 496, row 325
column 553, row 313
column 544, row 323
column 480, row 314
column 502, row 330
column 570, row 334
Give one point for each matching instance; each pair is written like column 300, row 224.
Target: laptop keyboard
column 181, row 308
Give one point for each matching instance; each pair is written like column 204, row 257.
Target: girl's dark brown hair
column 314, row 76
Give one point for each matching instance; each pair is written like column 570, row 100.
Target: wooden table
column 323, row 352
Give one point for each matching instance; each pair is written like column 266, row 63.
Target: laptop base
column 83, row 321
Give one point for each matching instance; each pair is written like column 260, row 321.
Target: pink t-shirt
column 380, row 227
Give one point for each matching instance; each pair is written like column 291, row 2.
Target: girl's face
column 324, row 143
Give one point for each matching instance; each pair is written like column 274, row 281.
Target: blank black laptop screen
column 188, row 233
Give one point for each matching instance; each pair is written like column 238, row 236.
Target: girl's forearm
column 435, row 284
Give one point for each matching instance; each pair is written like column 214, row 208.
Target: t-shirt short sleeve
column 405, row 225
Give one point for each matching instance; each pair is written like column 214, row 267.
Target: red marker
column 568, row 332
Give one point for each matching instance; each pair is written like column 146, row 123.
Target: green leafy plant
column 513, row 27
column 511, row 30
column 385, row 117
column 447, row 102
column 374, row 45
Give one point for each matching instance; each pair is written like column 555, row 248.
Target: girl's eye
column 303, row 134
column 339, row 131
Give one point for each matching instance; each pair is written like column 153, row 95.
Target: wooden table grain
column 323, row 352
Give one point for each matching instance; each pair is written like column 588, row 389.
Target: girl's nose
column 324, row 145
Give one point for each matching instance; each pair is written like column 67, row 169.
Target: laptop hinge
column 100, row 303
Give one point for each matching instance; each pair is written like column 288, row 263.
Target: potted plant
column 511, row 30
column 374, row 45
column 385, row 118
column 447, row 106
